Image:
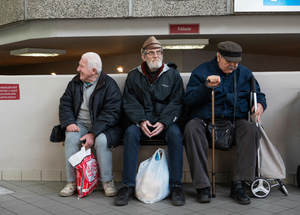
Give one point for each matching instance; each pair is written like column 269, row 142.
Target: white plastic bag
column 152, row 179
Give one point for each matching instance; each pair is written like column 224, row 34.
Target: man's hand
column 259, row 111
column 89, row 140
column 72, row 128
column 144, row 126
column 159, row 127
column 214, row 80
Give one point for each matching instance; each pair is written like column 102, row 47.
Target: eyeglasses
column 152, row 53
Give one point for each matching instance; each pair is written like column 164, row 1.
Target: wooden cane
column 213, row 144
column 213, row 137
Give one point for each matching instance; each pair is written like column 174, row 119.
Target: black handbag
column 224, row 129
column 57, row 134
column 223, row 134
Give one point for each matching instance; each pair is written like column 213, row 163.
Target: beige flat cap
column 151, row 43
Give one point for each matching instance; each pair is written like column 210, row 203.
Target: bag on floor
column 271, row 163
column 152, row 179
column 87, row 171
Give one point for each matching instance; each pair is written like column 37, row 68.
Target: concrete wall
column 27, row 154
column 25, row 10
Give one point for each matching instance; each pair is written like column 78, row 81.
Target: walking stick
column 213, row 144
column 213, row 138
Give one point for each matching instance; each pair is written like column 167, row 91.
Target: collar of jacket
column 164, row 69
column 143, row 66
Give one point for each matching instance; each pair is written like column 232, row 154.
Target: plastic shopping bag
column 87, row 171
column 152, row 179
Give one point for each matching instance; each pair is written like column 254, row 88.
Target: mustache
column 231, row 67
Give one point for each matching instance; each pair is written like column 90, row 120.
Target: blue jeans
column 103, row 154
column 132, row 138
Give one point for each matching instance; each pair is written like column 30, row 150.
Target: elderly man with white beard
column 153, row 101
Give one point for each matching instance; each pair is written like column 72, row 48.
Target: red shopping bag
column 87, row 171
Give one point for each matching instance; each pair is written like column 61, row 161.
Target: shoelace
column 69, row 186
column 108, row 184
column 123, row 191
column 178, row 191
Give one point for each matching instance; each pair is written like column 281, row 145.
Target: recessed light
column 33, row 52
column 184, row 43
column 120, row 69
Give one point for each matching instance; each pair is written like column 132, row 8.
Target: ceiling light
column 53, row 73
column 33, row 52
column 184, row 43
column 120, row 69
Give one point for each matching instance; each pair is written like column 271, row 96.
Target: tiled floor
column 42, row 198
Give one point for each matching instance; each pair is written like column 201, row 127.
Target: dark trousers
column 246, row 138
column 132, row 138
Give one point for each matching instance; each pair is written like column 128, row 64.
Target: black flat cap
column 230, row 51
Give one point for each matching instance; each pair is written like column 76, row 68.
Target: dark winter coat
column 160, row 101
column 105, row 107
column 198, row 96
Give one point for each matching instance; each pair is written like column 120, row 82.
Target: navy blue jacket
column 198, row 96
column 105, row 107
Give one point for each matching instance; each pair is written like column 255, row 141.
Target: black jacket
column 105, row 107
column 160, row 101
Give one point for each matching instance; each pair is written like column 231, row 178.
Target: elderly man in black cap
column 221, row 72
column 152, row 100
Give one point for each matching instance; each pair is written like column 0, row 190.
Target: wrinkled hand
column 259, row 111
column 214, row 80
column 159, row 127
column 72, row 128
column 89, row 140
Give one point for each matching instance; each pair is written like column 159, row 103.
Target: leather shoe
column 238, row 193
column 204, row 195
column 124, row 195
column 178, row 198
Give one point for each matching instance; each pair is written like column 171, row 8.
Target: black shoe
column 238, row 193
column 124, row 195
column 204, row 195
column 178, row 198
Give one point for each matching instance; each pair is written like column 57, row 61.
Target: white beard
column 154, row 64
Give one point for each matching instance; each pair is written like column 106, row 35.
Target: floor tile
column 22, row 208
column 290, row 212
column 35, row 212
column 57, row 209
column 273, row 208
column 97, row 209
column 42, row 198
column 5, row 212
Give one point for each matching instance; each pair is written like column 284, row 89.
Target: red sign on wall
column 9, row 92
column 184, row 28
